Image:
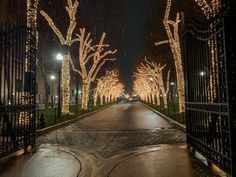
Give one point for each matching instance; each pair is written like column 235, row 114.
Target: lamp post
column 52, row 77
column 172, row 84
column 59, row 58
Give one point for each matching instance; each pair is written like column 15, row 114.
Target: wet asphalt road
column 124, row 140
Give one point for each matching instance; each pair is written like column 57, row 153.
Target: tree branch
column 162, row 42
column 53, row 26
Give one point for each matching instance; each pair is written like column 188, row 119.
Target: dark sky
column 137, row 12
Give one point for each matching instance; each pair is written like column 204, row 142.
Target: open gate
column 209, row 50
column 17, row 87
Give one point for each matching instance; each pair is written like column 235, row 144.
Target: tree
column 91, row 59
column 108, row 87
column 149, row 76
column 172, row 30
column 67, row 41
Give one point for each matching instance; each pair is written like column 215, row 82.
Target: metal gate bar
column 210, row 118
column 17, row 87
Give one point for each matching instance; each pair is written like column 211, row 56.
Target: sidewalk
column 170, row 162
column 45, row 162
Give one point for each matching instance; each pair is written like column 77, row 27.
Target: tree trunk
column 153, row 99
column 149, row 98
column 65, row 84
column 101, row 99
column 158, row 100
column 85, row 95
column 180, row 83
column 95, row 98
column 165, row 102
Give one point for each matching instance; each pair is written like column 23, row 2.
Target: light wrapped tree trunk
column 153, row 99
column 158, row 99
column 85, row 95
column 149, row 98
column 101, row 99
column 95, row 99
column 65, row 84
column 165, row 101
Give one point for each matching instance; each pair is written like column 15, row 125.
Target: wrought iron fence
column 17, row 87
column 208, row 115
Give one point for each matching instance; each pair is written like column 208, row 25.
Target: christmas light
column 31, row 22
column 68, row 40
column 108, row 87
column 209, row 9
column 97, row 53
column 172, row 29
column 149, row 82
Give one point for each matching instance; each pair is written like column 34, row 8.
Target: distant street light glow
column 202, row 73
column 52, row 77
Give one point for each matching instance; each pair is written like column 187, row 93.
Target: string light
column 31, row 22
column 108, row 87
column 173, row 40
column 149, row 82
column 68, row 40
column 209, row 9
column 98, row 54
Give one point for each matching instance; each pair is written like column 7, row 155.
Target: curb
column 172, row 122
column 68, row 122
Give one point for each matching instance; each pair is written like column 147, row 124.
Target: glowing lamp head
column 202, row 73
column 59, row 57
column 172, row 83
column 52, row 77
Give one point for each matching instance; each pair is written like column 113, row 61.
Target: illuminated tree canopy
column 98, row 54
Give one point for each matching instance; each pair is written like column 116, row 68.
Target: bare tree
column 68, row 40
column 172, row 29
column 95, row 53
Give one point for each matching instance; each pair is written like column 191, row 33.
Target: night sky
column 134, row 39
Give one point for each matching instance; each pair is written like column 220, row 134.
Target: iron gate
column 210, row 81
column 17, row 87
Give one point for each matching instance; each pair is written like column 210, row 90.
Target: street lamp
column 52, row 77
column 172, row 84
column 59, row 58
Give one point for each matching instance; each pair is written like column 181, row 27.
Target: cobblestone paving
column 120, row 127
column 107, row 142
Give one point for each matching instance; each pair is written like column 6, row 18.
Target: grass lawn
column 172, row 111
column 51, row 115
